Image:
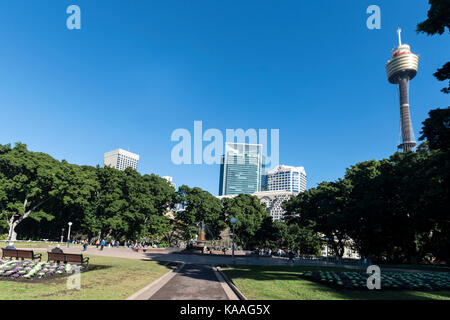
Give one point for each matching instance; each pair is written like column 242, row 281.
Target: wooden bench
column 21, row 254
column 68, row 257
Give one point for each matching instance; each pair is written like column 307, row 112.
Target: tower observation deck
column 400, row 70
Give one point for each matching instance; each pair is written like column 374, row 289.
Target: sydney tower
column 400, row 69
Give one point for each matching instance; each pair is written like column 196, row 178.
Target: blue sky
column 138, row 70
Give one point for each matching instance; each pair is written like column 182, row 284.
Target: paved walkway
column 193, row 282
column 169, row 256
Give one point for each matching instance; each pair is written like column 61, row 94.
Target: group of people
column 280, row 253
column 262, row 252
column 138, row 246
column 102, row 243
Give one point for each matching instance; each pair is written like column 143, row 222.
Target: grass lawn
column 32, row 244
column 283, row 283
column 113, row 278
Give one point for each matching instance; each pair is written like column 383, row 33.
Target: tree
column 201, row 207
column 438, row 20
column 436, row 129
column 250, row 215
column 27, row 182
column 323, row 209
column 293, row 234
column 443, row 74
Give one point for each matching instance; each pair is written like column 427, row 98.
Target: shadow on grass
column 307, row 287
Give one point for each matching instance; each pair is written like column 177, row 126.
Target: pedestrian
column 269, row 253
column 291, row 256
column 85, row 245
column 102, row 244
column 117, row 244
column 97, row 243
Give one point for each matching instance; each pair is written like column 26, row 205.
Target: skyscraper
column 241, row 169
column 169, row 179
column 285, row 178
column 121, row 159
column 402, row 68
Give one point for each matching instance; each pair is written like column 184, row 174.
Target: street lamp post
column 62, row 235
column 233, row 221
column 68, row 234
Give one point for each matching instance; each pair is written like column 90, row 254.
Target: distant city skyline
column 313, row 70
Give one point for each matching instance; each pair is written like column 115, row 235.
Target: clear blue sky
column 137, row 70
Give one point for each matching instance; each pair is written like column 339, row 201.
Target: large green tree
column 201, row 208
column 323, row 209
column 27, row 182
column 250, row 215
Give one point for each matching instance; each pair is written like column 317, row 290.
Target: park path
column 193, row 282
column 169, row 256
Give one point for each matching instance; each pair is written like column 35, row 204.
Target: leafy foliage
column 394, row 209
column 438, row 20
column 100, row 202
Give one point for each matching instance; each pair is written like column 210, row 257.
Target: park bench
column 21, row 254
column 68, row 257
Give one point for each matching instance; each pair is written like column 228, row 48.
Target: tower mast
column 400, row 70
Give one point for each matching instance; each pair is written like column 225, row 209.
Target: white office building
column 121, row 159
column 169, row 179
column 285, row 178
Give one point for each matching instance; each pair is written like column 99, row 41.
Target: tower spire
column 399, row 33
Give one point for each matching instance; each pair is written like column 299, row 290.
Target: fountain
column 200, row 243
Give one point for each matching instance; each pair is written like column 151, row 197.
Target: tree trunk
column 12, row 235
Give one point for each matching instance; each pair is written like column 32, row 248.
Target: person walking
column 117, row 244
column 85, row 245
column 291, row 256
column 97, row 243
column 102, row 244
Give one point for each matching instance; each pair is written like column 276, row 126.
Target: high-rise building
column 121, row 159
column 241, row 169
column 273, row 200
column 400, row 69
column 170, row 180
column 285, row 178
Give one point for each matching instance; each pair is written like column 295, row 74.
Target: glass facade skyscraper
column 241, row 169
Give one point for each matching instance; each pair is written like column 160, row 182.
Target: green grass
column 283, row 283
column 113, row 278
column 37, row 244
